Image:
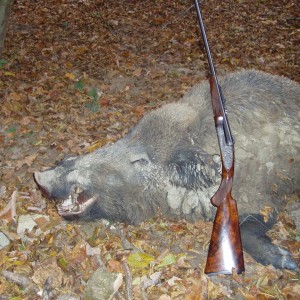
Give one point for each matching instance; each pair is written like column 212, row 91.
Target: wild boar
column 169, row 162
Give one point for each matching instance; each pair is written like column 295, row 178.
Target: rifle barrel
column 227, row 131
column 201, row 23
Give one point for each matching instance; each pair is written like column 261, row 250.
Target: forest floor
column 76, row 75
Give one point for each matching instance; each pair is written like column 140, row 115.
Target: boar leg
column 259, row 245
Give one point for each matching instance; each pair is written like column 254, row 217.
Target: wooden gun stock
column 225, row 250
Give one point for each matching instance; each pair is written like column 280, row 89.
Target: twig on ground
column 11, row 206
column 118, row 296
column 144, row 294
column 20, row 280
column 128, row 278
column 116, row 286
column 128, row 281
column 125, row 243
column 47, row 293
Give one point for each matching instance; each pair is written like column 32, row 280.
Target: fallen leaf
column 70, row 76
column 28, row 160
column 140, row 260
column 140, row 110
column 167, row 260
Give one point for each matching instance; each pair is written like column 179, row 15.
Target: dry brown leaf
column 48, row 268
column 114, row 266
column 28, row 160
column 70, row 76
column 266, row 212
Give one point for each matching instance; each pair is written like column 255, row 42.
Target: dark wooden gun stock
column 225, row 250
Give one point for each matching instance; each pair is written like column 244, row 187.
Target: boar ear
column 192, row 169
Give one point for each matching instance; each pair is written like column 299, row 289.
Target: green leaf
column 79, row 85
column 93, row 106
column 93, row 94
column 63, row 263
column 167, row 260
column 2, row 63
column 140, row 260
column 96, row 15
column 11, row 129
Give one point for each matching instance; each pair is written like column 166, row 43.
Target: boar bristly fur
column 169, row 162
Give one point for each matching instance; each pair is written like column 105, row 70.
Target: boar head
column 156, row 167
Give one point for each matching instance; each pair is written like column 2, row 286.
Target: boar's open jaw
column 73, row 203
column 76, row 203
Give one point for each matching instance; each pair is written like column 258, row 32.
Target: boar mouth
column 78, row 201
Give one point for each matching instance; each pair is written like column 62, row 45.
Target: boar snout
column 38, row 178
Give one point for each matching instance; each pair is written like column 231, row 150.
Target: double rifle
column 225, row 249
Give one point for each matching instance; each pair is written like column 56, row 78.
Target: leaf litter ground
column 76, row 75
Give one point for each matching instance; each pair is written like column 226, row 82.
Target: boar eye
column 139, row 158
column 141, row 161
